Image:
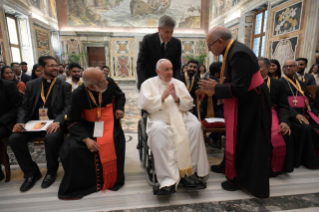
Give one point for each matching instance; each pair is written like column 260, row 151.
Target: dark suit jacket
column 10, row 102
column 317, row 98
column 25, row 78
column 150, row 53
column 194, row 88
column 309, row 79
column 61, row 100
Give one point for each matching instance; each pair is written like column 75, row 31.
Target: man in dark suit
column 157, row 46
column 190, row 79
column 247, row 112
column 18, row 72
column 306, row 78
column 10, row 102
column 45, row 93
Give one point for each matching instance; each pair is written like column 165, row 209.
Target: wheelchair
column 147, row 159
column 145, row 153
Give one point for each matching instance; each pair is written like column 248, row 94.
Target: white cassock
column 74, row 84
column 162, row 134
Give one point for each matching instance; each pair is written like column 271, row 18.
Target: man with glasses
column 18, row 72
column 247, row 112
column 47, row 93
column 306, row 78
column 303, row 118
column 157, row 46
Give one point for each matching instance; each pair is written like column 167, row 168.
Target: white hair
column 158, row 64
column 88, row 82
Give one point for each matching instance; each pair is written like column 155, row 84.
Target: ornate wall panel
column 42, row 41
column 193, row 47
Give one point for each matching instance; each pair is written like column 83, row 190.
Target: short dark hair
column 14, row 63
column 266, row 61
column 42, row 60
column 23, row 63
column 2, row 70
column 215, row 68
column 74, row 65
column 311, row 69
column 192, row 61
column 61, row 65
column 304, row 59
column 105, row 67
column 278, row 72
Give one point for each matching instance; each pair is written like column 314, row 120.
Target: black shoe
column 29, row 182
column 229, row 187
column 167, row 190
column 216, row 169
column 48, row 180
column 1, row 174
column 188, row 182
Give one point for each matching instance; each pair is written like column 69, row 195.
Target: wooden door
column 96, row 56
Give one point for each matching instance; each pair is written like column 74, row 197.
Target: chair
column 218, row 127
column 312, row 89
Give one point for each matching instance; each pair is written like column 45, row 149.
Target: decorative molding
column 253, row 5
column 277, row 3
column 232, row 23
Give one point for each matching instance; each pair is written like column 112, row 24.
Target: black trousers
column 19, row 145
column 4, row 132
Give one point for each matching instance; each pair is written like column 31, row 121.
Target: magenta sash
column 301, row 104
column 278, row 144
column 231, row 116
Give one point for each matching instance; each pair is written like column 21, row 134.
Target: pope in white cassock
column 174, row 134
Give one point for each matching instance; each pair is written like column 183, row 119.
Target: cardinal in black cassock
column 93, row 162
column 247, row 113
column 303, row 118
column 282, row 155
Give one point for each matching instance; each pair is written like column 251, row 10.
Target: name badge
column 98, row 129
column 43, row 114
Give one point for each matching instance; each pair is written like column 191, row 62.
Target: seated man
column 306, row 78
column 106, row 71
column 93, row 155
column 10, row 102
column 190, row 79
column 45, row 93
column 303, row 118
column 174, row 134
column 282, row 156
column 75, row 80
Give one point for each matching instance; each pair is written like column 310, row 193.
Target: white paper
column 98, row 129
column 214, row 120
column 37, row 125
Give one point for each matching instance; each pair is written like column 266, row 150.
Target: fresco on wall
column 42, row 40
column 72, row 46
column 132, row 13
column 248, row 30
column 317, row 48
column 249, row 19
column 220, row 7
column 287, row 19
column 284, row 49
column 234, row 32
column 52, row 8
column 36, row 3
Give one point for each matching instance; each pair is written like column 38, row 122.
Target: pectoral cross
column 295, row 102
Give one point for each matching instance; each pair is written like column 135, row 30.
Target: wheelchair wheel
column 140, row 142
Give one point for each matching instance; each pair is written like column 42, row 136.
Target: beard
column 76, row 78
column 191, row 73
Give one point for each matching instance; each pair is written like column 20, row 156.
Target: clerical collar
column 302, row 76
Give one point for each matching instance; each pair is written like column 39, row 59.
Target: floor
column 298, row 191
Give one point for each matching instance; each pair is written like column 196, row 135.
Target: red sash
column 278, row 144
column 301, row 104
column 107, row 149
column 231, row 116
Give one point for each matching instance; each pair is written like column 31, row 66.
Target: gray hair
column 159, row 63
column 88, row 82
column 224, row 34
column 166, row 21
column 293, row 61
column 266, row 61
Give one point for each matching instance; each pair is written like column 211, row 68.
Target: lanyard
column 79, row 83
column 94, row 101
column 222, row 74
column 268, row 84
column 303, row 78
column 44, row 99
column 189, row 88
column 298, row 87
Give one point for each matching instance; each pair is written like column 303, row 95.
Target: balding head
column 164, row 70
column 94, row 79
column 290, row 68
column 217, row 39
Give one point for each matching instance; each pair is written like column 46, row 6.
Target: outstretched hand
column 207, row 85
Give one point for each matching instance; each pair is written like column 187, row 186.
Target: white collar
column 161, row 41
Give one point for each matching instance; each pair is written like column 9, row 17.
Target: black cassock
column 254, row 120
column 305, row 137
column 278, row 96
column 82, row 167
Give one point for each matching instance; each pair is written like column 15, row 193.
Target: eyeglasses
column 210, row 45
column 289, row 66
